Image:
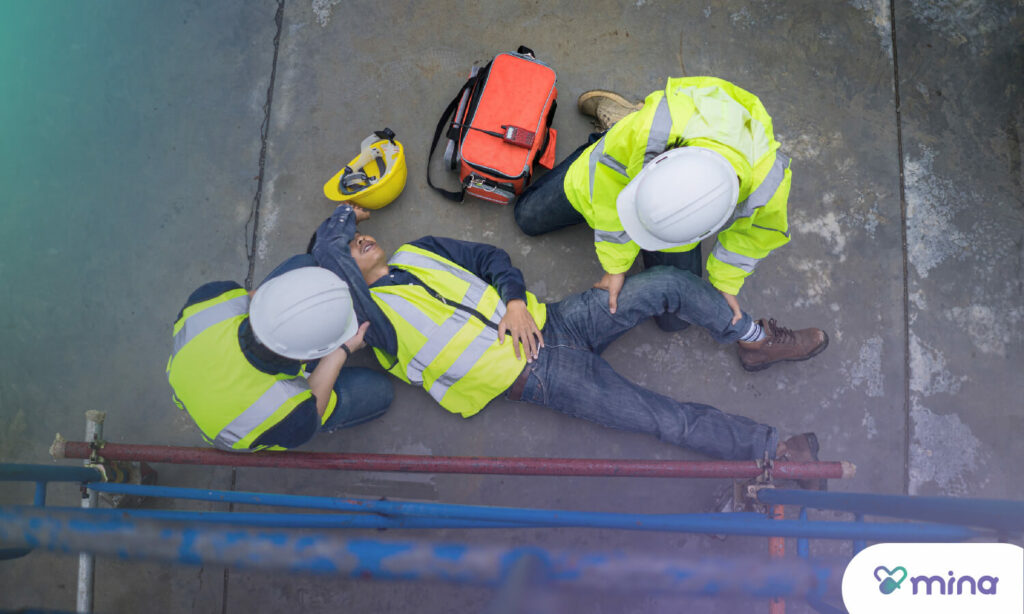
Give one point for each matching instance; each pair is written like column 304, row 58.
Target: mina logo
column 891, row 579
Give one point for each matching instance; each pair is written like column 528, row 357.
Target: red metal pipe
column 452, row 464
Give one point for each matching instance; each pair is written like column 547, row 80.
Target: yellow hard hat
column 375, row 177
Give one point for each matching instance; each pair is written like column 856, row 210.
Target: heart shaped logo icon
column 890, row 583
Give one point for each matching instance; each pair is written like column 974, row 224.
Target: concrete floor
column 130, row 171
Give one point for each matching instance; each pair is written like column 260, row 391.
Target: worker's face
column 366, row 253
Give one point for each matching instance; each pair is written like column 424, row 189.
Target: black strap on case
column 452, row 196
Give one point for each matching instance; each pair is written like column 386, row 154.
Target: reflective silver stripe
column 614, row 164
column 257, row 413
column 611, row 236
column 438, row 336
column 464, row 363
column 661, row 129
column 737, row 260
column 198, row 322
column 435, row 345
column 417, row 319
column 477, row 286
column 764, row 192
column 595, row 155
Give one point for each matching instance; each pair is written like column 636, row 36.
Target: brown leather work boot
column 781, row 343
column 606, row 107
column 802, row 449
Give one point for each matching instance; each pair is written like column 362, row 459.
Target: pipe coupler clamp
column 95, row 447
column 99, row 467
column 767, row 466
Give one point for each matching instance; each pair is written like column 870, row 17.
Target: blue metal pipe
column 996, row 514
column 16, row 472
column 300, row 551
column 300, row 521
column 39, row 500
column 858, row 544
column 803, row 546
column 750, row 524
column 522, row 516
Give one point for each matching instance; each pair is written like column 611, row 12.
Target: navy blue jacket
column 331, row 250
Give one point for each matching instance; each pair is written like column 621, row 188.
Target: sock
column 754, row 334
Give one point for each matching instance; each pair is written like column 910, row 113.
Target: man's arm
column 303, row 422
column 489, row 263
column 295, row 429
column 330, row 249
column 740, row 247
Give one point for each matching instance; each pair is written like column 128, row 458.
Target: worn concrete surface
column 161, row 139
column 963, row 123
column 130, row 137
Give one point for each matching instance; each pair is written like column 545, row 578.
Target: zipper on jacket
column 460, row 306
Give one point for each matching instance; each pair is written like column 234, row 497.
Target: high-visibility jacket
column 231, row 401
column 704, row 112
column 447, row 332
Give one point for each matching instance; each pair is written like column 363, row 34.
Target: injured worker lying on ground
column 455, row 318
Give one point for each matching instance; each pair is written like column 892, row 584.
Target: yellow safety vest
column 448, row 335
column 698, row 111
column 231, row 401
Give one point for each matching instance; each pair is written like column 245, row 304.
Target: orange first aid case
column 500, row 128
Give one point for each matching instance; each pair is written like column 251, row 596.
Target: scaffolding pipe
column 750, row 524
column 777, row 551
column 18, row 472
column 456, row 464
column 86, row 560
column 300, row 521
column 995, row 514
column 300, row 551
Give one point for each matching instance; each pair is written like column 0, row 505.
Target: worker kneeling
column 266, row 371
column 445, row 308
column 695, row 161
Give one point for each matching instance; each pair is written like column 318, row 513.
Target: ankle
column 753, row 335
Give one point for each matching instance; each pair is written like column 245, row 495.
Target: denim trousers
column 363, row 394
column 544, row 207
column 570, row 376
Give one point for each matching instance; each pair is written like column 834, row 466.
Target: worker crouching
column 265, row 371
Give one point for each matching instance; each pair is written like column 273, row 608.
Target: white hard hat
column 679, row 197
column 303, row 314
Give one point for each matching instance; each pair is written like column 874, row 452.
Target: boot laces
column 780, row 334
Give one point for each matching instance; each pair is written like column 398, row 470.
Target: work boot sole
column 763, row 366
column 587, row 102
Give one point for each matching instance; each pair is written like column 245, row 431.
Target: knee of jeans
column 383, row 393
column 527, row 223
column 663, row 274
column 364, row 389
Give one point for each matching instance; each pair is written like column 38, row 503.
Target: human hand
column 356, row 343
column 361, row 214
column 520, row 323
column 734, row 304
column 612, row 282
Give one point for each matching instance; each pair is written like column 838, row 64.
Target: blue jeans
column 363, row 394
column 570, row 376
column 544, row 207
